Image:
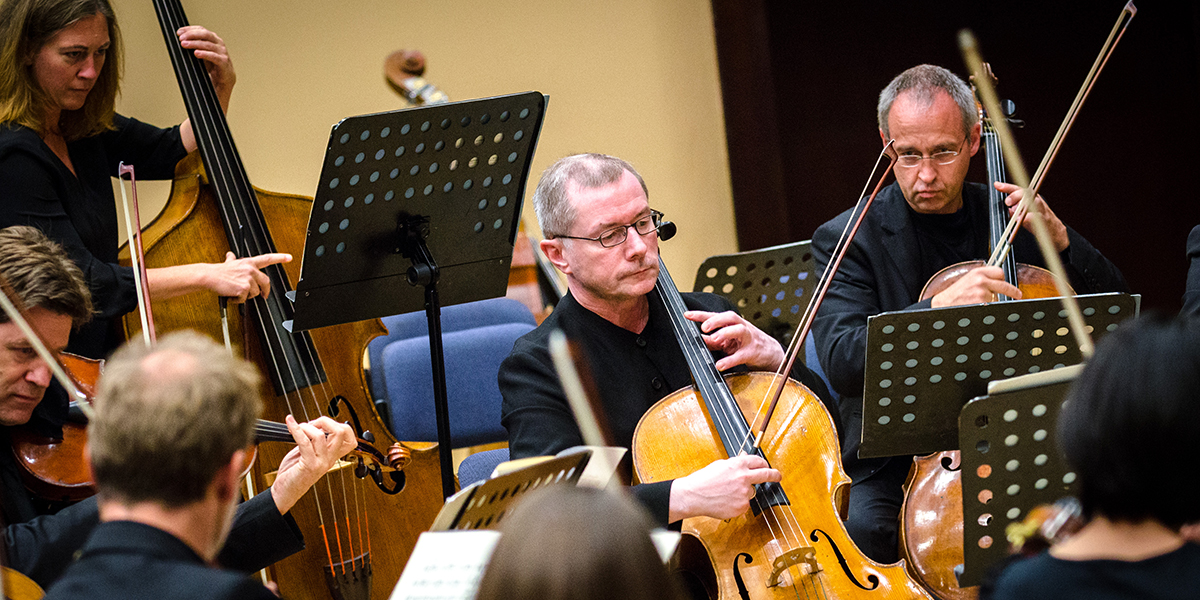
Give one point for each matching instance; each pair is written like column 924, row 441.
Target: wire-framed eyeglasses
column 947, row 157
column 617, row 235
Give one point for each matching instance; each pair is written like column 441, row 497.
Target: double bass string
column 231, row 179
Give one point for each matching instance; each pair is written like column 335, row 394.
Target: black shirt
column 78, row 210
column 1173, row 575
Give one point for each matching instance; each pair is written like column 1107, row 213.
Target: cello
column 792, row 542
column 934, row 487
column 931, row 532
column 358, row 530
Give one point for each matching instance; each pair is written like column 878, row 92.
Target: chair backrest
column 473, row 358
column 771, row 287
column 454, row 318
column 476, row 338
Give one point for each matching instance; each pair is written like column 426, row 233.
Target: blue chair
column 476, row 337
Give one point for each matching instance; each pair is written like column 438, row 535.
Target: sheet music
column 1029, row 380
column 446, row 565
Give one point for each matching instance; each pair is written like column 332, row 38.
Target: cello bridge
column 802, row 557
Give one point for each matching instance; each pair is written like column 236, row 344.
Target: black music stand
column 1010, row 464
column 770, row 286
column 485, row 503
column 923, row 365
column 427, row 197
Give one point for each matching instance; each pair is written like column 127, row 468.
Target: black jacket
column 880, row 274
column 123, row 559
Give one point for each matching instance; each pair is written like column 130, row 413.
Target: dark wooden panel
column 1120, row 179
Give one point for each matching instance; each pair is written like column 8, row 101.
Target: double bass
column 359, row 531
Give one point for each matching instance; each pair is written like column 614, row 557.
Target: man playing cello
column 925, row 221
column 602, row 234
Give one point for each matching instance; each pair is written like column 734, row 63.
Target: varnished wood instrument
column 935, row 485
column 359, row 531
column 931, row 531
column 792, row 544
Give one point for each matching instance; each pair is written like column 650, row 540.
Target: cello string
column 713, row 391
column 1074, row 317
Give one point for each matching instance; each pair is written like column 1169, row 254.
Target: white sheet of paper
column 446, row 565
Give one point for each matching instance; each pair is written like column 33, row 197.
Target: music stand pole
column 398, row 189
column 424, row 272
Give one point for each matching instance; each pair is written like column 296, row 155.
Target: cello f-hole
column 872, row 578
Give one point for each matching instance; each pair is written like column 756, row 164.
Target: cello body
column 931, row 517
column 346, row 521
column 677, row 437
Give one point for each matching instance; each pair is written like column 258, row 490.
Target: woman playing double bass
column 61, row 142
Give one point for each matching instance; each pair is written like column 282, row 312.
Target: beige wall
column 633, row 78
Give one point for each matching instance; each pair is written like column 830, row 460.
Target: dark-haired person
column 1128, row 430
column 61, row 142
column 41, row 545
column 930, row 218
column 573, row 543
column 172, row 429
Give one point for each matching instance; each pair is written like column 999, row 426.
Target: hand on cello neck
column 1058, row 231
column 742, row 342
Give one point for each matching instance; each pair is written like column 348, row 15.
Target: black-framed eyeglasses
column 909, row 161
column 617, row 235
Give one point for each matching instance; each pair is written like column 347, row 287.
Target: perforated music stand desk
column 923, row 365
column 428, row 197
column 454, row 173
column 771, row 287
column 1010, row 463
column 484, row 504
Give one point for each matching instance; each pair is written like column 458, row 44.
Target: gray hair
column 924, row 81
column 555, row 214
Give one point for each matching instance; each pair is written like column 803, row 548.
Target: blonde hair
column 26, row 26
column 168, row 418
